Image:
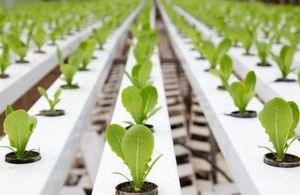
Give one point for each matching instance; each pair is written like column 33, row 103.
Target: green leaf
column 57, row 93
column 59, row 56
column 137, row 147
column 76, row 58
column 39, row 36
column 43, row 92
column 114, row 135
column 133, row 103
column 149, row 96
column 223, row 47
column 4, row 59
column 285, row 59
column 144, row 74
column 18, row 126
column 295, row 111
column 69, row 72
column 9, row 109
column 277, row 117
column 242, row 92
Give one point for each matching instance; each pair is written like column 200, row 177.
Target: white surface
column 58, row 137
column 238, row 138
column 24, row 76
column 164, row 173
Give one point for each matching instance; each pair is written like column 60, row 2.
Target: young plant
column 53, row 35
column 144, row 48
column 140, row 103
column 284, row 61
column 280, row 119
column 247, row 37
column 100, row 35
column 4, row 61
column 18, row 46
column 18, row 126
column 214, row 53
column 242, row 92
column 200, row 49
column 88, row 48
column 51, row 102
column 39, row 38
column 69, row 70
column 224, row 71
column 140, row 74
column 135, row 147
column 263, row 51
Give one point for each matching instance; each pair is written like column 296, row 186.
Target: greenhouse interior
column 149, row 97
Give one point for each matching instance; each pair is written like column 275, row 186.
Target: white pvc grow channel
column 164, row 173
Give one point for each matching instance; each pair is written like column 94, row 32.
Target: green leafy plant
column 4, row 60
column 87, row 47
column 18, row 46
column 224, row 71
column 144, row 48
column 140, row 74
column 140, row 103
column 214, row 53
column 280, row 119
column 285, row 59
column 39, row 38
column 135, row 147
column 242, row 92
column 53, row 35
column 69, row 70
column 247, row 38
column 199, row 47
column 100, row 35
column 52, row 102
column 263, row 51
column 18, row 126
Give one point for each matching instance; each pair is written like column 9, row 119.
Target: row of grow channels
column 19, row 125
column 278, row 117
column 33, row 26
column 134, row 143
column 249, row 26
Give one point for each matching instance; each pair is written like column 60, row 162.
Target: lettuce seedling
column 53, row 35
column 18, row 126
column 52, row 102
column 140, row 74
column 214, row 53
column 100, row 35
column 18, row 46
column 39, row 38
column 247, row 38
column 135, row 147
column 195, row 36
column 285, row 60
column 4, row 61
column 280, row 119
column 144, row 48
column 69, row 70
column 88, row 48
column 140, row 103
column 242, row 92
column 224, row 71
column 263, row 51
column 199, row 47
